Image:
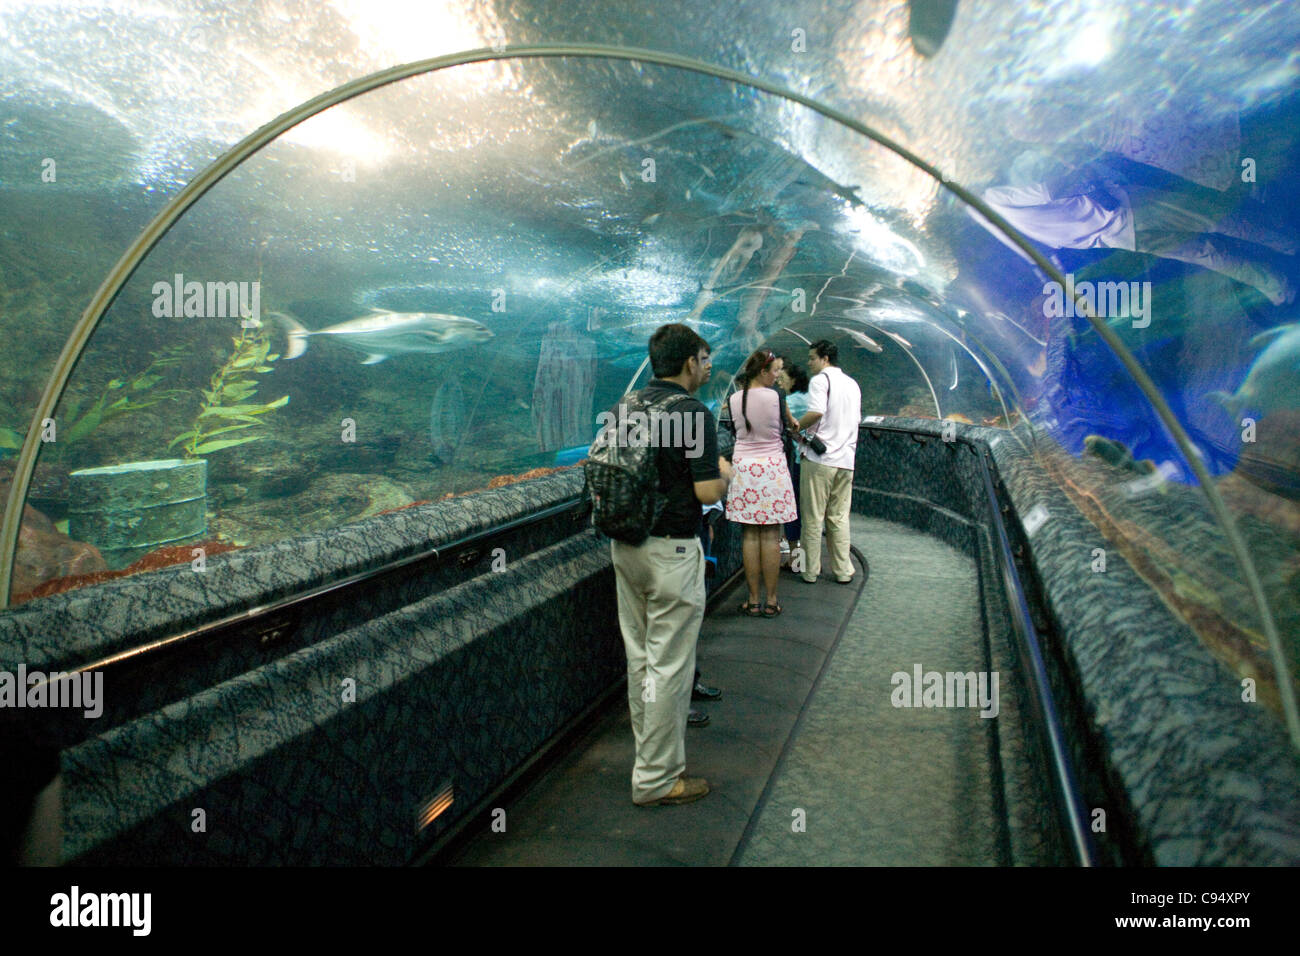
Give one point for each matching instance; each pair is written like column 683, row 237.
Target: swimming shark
column 380, row 333
column 861, row 338
column 1273, row 381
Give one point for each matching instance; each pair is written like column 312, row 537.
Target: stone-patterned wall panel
column 78, row 627
column 899, row 464
column 1207, row 779
column 1032, row 825
column 458, row 689
column 159, row 680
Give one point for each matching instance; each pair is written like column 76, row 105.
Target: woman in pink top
column 761, row 497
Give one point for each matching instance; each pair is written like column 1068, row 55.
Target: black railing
column 272, row 622
column 1070, row 804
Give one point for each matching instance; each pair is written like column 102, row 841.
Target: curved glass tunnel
column 386, row 336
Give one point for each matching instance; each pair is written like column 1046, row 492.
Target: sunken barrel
column 128, row 511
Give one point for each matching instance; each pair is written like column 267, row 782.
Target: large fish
column 381, row 333
column 1273, row 381
column 861, row 338
column 728, row 268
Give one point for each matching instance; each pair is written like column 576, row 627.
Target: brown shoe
column 685, row 790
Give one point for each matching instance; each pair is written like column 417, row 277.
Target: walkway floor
column 863, row 782
column 808, row 761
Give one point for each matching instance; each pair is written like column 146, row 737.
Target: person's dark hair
column 754, row 367
column 798, row 377
column 827, row 349
column 670, row 347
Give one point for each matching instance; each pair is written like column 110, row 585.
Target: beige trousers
column 660, row 608
column 825, row 494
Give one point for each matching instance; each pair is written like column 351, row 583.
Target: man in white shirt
column 826, row 480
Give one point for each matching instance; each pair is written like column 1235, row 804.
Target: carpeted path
column 876, row 784
column 863, row 782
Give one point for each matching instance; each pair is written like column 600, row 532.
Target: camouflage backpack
column 622, row 469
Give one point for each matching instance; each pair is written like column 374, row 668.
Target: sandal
column 772, row 610
column 750, row 610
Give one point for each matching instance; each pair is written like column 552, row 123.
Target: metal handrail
column 298, row 598
column 1067, row 786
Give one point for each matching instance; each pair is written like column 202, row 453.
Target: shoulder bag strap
column 828, row 405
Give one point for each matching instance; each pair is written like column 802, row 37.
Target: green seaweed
column 120, row 397
column 224, row 408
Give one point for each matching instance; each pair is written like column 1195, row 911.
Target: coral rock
column 916, row 411
column 44, row 553
column 162, row 558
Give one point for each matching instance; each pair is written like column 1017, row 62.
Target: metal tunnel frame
column 237, row 154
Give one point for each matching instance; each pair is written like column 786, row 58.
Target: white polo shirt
column 838, row 426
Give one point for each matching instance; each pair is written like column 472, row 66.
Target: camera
column 815, row 443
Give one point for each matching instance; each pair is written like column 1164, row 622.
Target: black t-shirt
column 677, row 472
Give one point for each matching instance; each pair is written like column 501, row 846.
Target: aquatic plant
column 224, row 408
column 120, row 397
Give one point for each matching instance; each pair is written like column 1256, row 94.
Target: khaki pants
column 660, row 608
column 825, row 494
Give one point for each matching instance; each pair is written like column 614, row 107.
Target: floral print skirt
column 761, row 491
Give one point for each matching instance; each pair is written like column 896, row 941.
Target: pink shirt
column 763, row 409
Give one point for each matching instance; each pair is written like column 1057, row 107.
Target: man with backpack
column 647, row 486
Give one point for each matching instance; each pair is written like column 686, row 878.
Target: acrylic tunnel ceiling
column 546, row 215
